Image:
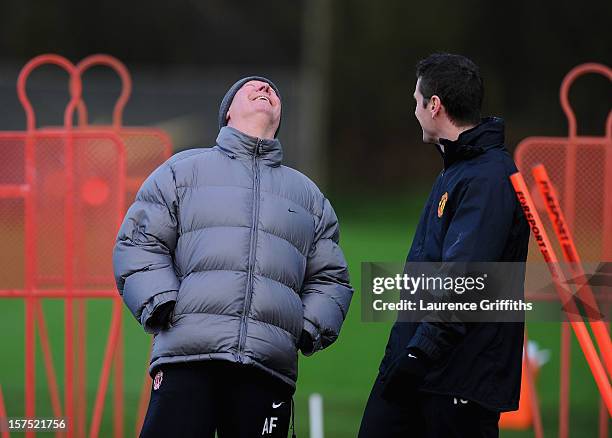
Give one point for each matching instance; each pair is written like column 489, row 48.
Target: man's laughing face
column 256, row 97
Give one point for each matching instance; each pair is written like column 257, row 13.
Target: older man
column 232, row 261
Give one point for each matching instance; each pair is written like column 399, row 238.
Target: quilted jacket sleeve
column 143, row 253
column 326, row 293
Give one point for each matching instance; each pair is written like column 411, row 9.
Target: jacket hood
column 237, row 144
column 488, row 134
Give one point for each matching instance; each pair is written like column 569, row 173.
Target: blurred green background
column 371, row 229
column 346, row 73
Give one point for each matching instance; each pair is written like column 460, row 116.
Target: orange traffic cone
column 522, row 419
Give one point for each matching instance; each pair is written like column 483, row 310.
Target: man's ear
column 435, row 105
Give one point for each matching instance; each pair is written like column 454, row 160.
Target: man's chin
column 427, row 139
column 261, row 105
column 264, row 111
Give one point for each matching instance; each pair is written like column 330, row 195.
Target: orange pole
column 30, row 280
column 81, row 368
column 59, row 293
column 106, row 366
column 5, row 433
column 570, row 254
column 603, row 420
column 564, row 384
column 145, row 394
column 121, row 177
column 118, row 383
column 49, row 368
column 126, row 85
column 80, row 415
column 69, row 284
column 535, row 402
column 580, row 330
column 13, row 191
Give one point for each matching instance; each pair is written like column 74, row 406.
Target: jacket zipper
column 252, row 249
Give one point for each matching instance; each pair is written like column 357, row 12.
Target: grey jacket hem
column 229, row 357
column 494, row 406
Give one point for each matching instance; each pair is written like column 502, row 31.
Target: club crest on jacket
column 158, row 380
column 442, row 204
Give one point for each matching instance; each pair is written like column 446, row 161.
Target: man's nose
column 264, row 87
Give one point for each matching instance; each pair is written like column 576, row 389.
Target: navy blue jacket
column 472, row 215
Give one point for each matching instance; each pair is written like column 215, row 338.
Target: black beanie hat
column 229, row 96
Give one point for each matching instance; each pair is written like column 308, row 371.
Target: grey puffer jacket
column 248, row 250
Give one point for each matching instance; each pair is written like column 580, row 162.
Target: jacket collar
column 489, row 134
column 237, row 144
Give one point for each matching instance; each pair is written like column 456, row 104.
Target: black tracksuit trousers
column 197, row 399
column 424, row 415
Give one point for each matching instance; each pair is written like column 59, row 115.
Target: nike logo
column 412, row 356
column 275, row 405
column 291, row 211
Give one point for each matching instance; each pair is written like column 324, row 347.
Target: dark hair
column 456, row 81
